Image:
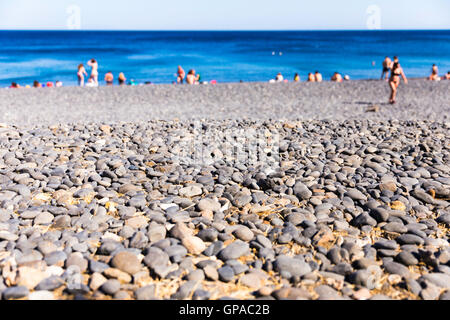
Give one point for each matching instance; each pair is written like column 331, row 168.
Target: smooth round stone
column 127, row 262
column 194, row 245
column 235, row 250
column 410, row 239
column 15, row 292
column 406, row 258
column 145, row 293
column 208, row 204
column 226, row 273
column 196, row 275
column 244, row 233
column 208, row 235
column 396, row 227
column 77, row 259
column 110, row 287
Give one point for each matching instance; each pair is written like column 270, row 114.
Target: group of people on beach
column 392, row 72
column 93, row 78
column 312, row 77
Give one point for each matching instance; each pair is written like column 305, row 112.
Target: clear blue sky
column 224, row 15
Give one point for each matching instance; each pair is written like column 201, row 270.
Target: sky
column 224, row 15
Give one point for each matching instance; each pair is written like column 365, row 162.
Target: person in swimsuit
column 14, row 85
column 94, row 71
column 434, row 73
column 336, row 77
column 122, row 79
column 296, row 78
column 109, row 78
column 36, row 84
column 80, row 74
column 279, row 77
column 311, row 77
column 387, row 63
column 394, row 81
column 191, row 78
column 447, row 76
column 180, row 75
column 318, row 76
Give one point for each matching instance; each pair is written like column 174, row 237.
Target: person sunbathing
column 336, row 77
column 192, row 78
column 279, row 77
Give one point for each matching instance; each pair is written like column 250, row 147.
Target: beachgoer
column 80, row 74
column 180, row 75
column 191, row 78
column 122, row 79
column 132, row 82
column 386, row 68
column 14, row 85
column 346, row 77
column 94, row 71
column 109, row 78
column 36, row 84
column 311, row 77
column 336, row 77
column 447, row 76
column 394, row 81
column 296, row 78
column 318, row 76
column 58, row 84
column 279, row 77
column 434, row 73
column 91, row 83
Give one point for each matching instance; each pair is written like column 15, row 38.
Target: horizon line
column 221, row 30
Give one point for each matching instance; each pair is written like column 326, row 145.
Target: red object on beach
column 49, row 84
column 213, row 81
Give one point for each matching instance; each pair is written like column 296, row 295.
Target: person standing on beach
column 80, row 74
column 387, row 64
column 109, row 78
column 318, row 76
column 122, row 79
column 181, row 74
column 394, row 81
column 94, row 71
column 311, row 77
column 296, row 78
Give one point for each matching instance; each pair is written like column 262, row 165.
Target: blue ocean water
column 225, row 56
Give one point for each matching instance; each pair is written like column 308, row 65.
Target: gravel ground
column 420, row 99
column 332, row 203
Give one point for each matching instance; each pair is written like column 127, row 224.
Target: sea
column 224, row 56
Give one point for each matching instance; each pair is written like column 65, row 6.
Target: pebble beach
column 102, row 198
